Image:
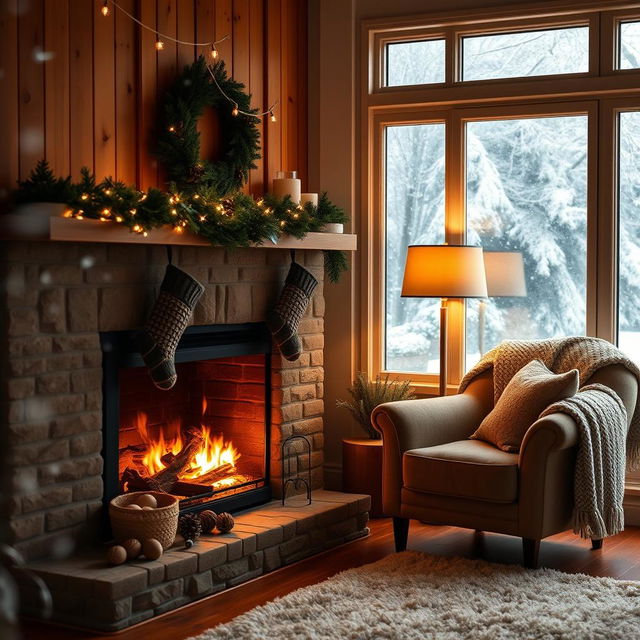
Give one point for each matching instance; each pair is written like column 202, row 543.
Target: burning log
column 166, row 478
column 204, row 483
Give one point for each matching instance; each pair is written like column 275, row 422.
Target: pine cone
column 208, row 520
column 195, row 173
column 225, row 522
column 189, row 528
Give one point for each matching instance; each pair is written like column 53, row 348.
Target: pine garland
column 235, row 221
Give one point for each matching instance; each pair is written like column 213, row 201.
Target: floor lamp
column 444, row 271
column 505, row 279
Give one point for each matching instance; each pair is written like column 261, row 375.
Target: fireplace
column 206, row 440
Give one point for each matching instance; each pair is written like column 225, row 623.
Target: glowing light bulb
column 132, row 212
column 178, row 229
column 203, row 218
column 105, row 9
column 68, row 213
column 143, row 197
column 196, row 197
column 214, row 51
column 172, row 129
column 107, row 192
column 106, row 212
column 84, row 196
column 234, row 111
column 118, row 219
column 282, row 223
column 273, row 116
column 145, row 234
column 159, row 45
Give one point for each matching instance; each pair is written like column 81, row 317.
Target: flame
column 213, row 453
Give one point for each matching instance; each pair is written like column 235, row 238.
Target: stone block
column 38, row 453
column 221, row 274
column 86, row 380
column 51, row 305
column 121, row 308
column 22, row 321
column 266, row 537
column 199, row 585
column 318, row 306
column 174, row 604
column 109, row 610
column 20, row 388
column 24, row 527
column 272, row 559
column 310, row 326
column 302, row 392
column 208, row 553
column 178, row 564
column 317, row 358
column 29, row 432
column 312, row 375
column 22, row 367
column 68, row 470
column 158, row 595
column 88, row 488
column 118, row 582
column 65, row 517
column 86, row 443
column 53, row 383
column 230, row 570
column 308, row 426
column 249, row 575
column 64, row 362
column 61, row 274
column 90, row 421
column 82, row 309
column 313, row 408
column 287, row 413
column 82, row 342
column 294, row 546
column 238, row 303
column 246, row 257
column 46, row 498
column 312, row 342
column 233, row 544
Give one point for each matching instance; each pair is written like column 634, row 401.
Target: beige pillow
column 527, row 395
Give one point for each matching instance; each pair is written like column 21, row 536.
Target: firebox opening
column 206, row 439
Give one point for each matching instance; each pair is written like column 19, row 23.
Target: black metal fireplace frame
column 197, row 343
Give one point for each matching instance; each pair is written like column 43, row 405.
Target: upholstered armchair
column 433, row 472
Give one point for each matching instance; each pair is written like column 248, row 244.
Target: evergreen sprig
column 43, row 186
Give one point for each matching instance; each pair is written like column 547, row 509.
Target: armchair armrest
column 547, row 468
column 412, row 424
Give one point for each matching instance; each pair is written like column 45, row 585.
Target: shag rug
column 413, row 595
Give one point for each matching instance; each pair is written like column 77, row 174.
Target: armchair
column 433, row 472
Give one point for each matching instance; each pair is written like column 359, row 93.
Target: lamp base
column 443, row 347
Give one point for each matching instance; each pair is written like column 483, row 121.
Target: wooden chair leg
column 400, row 532
column 530, row 549
column 596, row 544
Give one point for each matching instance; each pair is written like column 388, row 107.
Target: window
column 420, row 62
column 529, row 169
column 414, row 213
column 629, row 45
column 526, row 192
column 529, row 53
column 629, row 233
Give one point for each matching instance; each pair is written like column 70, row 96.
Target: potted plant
column 362, row 457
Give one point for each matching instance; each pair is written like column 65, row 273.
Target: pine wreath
column 178, row 139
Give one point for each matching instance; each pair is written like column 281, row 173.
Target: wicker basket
column 160, row 523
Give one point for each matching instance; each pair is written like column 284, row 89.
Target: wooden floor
column 619, row 558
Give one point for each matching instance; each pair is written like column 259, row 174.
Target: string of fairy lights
column 214, row 54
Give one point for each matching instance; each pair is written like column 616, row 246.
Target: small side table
column 362, row 470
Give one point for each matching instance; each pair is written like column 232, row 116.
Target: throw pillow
column 528, row 394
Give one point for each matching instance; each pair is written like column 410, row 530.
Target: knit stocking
column 284, row 319
column 157, row 342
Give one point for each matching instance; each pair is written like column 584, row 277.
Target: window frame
column 600, row 92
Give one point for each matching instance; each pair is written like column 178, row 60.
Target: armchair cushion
column 464, row 469
column 528, row 394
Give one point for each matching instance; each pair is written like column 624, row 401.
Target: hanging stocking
column 157, row 342
column 284, row 319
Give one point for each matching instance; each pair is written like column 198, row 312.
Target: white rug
column 414, row 595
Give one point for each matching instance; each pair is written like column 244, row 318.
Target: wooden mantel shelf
column 72, row 230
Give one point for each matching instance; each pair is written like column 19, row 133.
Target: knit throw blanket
column 599, row 414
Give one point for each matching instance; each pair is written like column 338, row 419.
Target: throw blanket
column 597, row 410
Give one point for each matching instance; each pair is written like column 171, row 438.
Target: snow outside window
column 527, row 192
column 629, row 45
column 419, row 62
column 525, row 54
column 414, row 214
column 629, row 234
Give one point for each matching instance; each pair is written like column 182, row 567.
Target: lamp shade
column 444, row 271
column 505, row 274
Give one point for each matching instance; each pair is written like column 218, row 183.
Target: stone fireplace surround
column 58, row 297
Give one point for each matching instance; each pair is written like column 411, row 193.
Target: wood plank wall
column 81, row 89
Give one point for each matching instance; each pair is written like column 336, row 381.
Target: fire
column 213, row 453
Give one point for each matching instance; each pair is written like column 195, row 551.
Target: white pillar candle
column 309, row 197
column 286, row 183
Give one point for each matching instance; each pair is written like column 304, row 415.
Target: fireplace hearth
column 206, row 440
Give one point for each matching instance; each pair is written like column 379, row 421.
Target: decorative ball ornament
column 147, row 500
column 132, row 547
column 178, row 139
column 116, row 555
column 190, row 528
column 151, row 548
column 225, row 522
column 208, row 520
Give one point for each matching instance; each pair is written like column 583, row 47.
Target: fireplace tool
column 295, row 479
